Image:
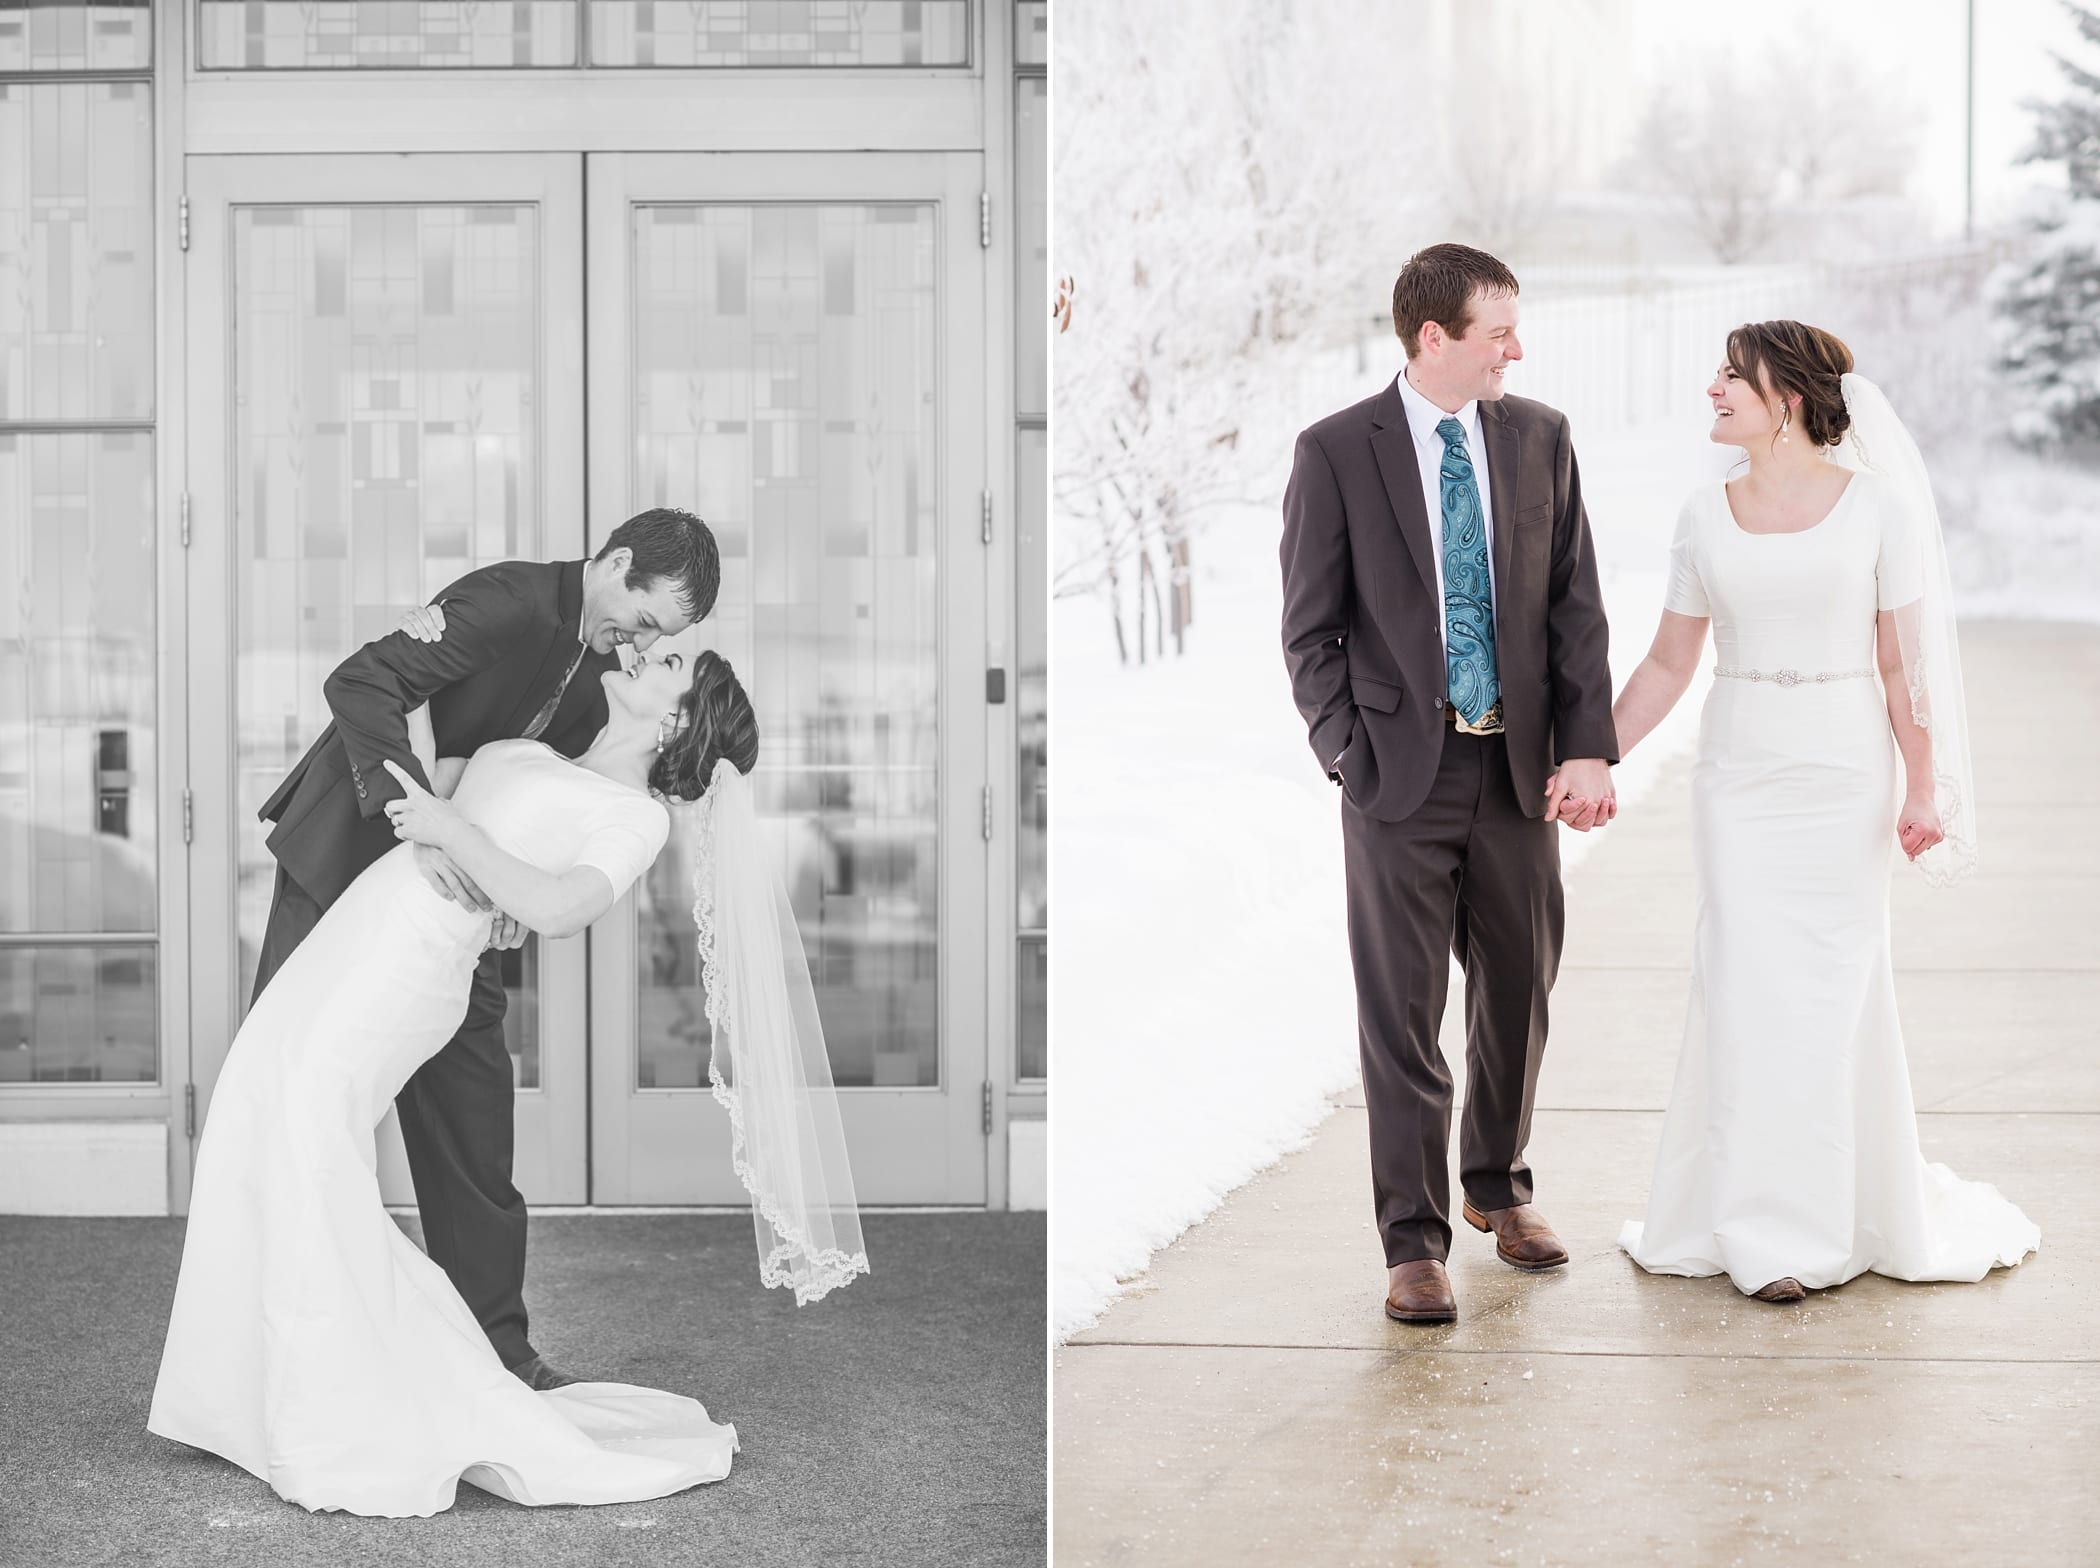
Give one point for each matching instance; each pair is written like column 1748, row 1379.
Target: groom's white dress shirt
column 1423, row 417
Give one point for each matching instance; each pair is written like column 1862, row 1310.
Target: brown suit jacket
column 1361, row 633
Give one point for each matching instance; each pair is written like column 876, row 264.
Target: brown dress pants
column 1467, row 873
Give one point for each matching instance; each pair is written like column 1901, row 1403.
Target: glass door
column 385, row 359
column 790, row 345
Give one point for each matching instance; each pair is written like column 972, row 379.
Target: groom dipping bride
column 1446, row 644
column 530, row 778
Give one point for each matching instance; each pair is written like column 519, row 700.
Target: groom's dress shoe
column 1420, row 1292
column 539, row 1377
column 1523, row 1239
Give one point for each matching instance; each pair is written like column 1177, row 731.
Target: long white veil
column 1878, row 441
column 768, row 1067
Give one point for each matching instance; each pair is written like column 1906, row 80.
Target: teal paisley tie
column 1469, row 610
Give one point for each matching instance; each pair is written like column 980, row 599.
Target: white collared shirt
column 1423, row 417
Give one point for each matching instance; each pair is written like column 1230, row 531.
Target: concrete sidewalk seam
column 1594, row 1355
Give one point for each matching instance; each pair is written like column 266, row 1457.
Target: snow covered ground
column 1202, row 1005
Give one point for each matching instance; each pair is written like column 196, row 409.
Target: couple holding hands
column 1446, row 642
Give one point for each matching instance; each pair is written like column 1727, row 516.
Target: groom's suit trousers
column 456, row 1124
column 1466, row 873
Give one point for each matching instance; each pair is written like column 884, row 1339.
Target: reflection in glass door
column 380, row 381
column 385, row 435
column 79, row 832
column 785, row 390
column 89, row 970
column 778, row 365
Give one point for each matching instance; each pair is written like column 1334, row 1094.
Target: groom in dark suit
column 1446, row 645
column 523, row 648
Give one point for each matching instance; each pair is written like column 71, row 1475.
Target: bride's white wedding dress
column 311, row 1343
column 1790, row 1146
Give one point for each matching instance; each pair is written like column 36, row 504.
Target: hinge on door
column 984, row 219
column 182, row 221
column 185, row 519
column 189, row 816
column 988, row 813
column 189, row 1111
column 988, row 1107
column 984, row 531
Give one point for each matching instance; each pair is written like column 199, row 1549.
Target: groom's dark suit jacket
column 1361, row 631
column 510, row 632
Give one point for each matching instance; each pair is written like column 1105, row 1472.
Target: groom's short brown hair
column 1438, row 285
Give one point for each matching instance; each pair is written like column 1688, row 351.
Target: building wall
column 265, row 382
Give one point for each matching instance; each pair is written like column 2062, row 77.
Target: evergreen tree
column 2051, row 299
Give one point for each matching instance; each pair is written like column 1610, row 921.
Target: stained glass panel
column 786, row 391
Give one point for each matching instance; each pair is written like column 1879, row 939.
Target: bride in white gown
column 1790, row 1157
column 311, row 1343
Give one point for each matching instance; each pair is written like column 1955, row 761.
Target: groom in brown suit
column 1446, row 645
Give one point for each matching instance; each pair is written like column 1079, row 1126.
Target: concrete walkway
column 899, row 1422
column 1250, row 1403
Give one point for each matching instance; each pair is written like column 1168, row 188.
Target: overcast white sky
column 1926, row 44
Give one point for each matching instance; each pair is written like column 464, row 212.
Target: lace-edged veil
column 768, row 1068
column 1877, row 441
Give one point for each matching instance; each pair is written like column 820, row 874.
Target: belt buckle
column 1490, row 721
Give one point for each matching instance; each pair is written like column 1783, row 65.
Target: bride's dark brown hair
column 714, row 721
column 1785, row 359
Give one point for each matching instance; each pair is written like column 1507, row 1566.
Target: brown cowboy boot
column 1523, row 1239
column 1420, row 1292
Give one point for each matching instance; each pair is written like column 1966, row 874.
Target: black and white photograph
column 523, row 754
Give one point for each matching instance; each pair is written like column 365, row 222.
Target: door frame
column 552, row 1119
column 909, row 1145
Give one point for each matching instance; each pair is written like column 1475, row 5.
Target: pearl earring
column 1785, row 419
column 666, row 727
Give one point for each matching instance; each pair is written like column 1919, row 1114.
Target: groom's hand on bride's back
column 445, row 876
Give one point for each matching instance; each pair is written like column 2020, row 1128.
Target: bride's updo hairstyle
column 714, row 721
column 1789, row 358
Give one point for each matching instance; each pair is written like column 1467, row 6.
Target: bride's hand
column 425, row 623
column 419, row 816
column 1918, row 828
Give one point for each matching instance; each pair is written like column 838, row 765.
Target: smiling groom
column 1446, row 645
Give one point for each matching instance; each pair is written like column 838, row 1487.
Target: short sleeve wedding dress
column 311, row 1343
column 1790, row 1147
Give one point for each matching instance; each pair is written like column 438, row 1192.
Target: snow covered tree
column 1211, row 216
column 1837, row 133
column 2049, row 302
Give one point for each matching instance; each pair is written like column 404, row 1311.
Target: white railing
column 1612, row 350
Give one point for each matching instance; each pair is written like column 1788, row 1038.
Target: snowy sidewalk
column 1249, row 1402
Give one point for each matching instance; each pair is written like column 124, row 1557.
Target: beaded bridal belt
column 1792, row 677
